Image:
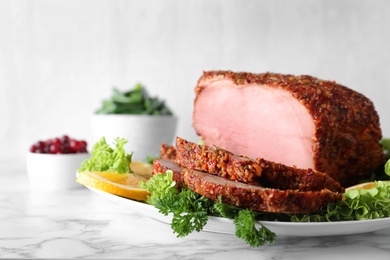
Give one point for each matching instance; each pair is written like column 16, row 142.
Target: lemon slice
column 121, row 184
column 366, row 185
column 142, row 169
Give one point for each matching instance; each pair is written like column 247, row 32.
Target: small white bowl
column 144, row 133
column 49, row 172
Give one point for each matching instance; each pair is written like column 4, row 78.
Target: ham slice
column 162, row 165
column 298, row 121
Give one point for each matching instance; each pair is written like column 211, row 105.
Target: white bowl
column 48, row 172
column 144, row 133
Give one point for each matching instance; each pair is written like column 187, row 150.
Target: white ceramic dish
column 145, row 133
column 226, row 226
column 53, row 171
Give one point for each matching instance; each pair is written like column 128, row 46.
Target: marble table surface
column 82, row 224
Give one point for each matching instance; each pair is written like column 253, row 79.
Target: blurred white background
column 59, row 59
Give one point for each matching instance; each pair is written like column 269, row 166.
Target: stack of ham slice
column 275, row 143
column 255, row 184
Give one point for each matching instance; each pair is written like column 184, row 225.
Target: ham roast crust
column 167, row 152
column 347, row 131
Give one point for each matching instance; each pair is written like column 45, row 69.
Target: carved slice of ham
column 298, row 121
column 255, row 197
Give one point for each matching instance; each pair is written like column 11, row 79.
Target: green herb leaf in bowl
column 136, row 101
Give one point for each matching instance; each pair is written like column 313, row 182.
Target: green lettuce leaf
column 387, row 168
column 104, row 158
column 359, row 204
column 385, row 142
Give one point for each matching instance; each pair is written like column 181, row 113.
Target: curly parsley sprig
column 191, row 210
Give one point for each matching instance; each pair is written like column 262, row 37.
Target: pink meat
column 272, row 119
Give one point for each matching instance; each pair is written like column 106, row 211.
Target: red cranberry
column 65, row 139
column 55, row 148
column 61, row 145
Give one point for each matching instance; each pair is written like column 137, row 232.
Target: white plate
column 226, row 226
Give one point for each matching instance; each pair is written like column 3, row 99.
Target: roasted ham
column 297, row 121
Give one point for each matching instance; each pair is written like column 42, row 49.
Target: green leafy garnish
column 387, row 168
column 150, row 159
column 225, row 210
column 107, row 159
column 359, row 204
column 245, row 223
column 191, row 210
column 385, row 142
column 135, row 101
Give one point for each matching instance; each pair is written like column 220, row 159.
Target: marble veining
column 82, row 224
